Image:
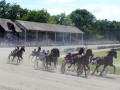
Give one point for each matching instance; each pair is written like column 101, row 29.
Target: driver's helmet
column 69, row 52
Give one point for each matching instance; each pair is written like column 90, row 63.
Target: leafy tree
column 37, row 16
column 53, row 20
column 4, row 9
column 30, row 16
column 83, row 20
column 62, row 19
column 23, row 12
column 42, row 16
column 14, row 12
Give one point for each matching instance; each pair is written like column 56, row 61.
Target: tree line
column 81, row 18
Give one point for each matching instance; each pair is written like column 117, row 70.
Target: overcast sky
column 101, row 9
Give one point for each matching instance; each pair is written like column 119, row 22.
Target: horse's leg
column 88, row 68
column 70, row 65
column 97, row 66
column 9, row 58
column 18, row 60
column 74, row 67
column 21, row 59
column 36, row 64
column 85, row 71
column 46, row 63
column 114, row 68
column 97, row 70
column 54, row 61
column 13, row 58
column 103, row 69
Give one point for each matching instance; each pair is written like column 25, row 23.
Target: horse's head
column 22, row 49
column 89, row 53
column 81, row 51
column 39, row 48
column 112, row 53
column 55, row 52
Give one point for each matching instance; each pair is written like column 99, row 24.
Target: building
column 41, row 33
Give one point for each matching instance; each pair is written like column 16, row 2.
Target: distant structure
column 34, row 33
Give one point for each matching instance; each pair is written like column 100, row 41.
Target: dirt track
column 25, row 77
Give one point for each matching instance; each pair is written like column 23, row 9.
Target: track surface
column 25, row 77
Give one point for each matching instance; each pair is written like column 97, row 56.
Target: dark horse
column 52, row 57
column 84, row 61
column 18, row 54
column 106, row 61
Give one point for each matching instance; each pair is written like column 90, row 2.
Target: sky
column 101, row 9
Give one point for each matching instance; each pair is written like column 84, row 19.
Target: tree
column 83, row 20
column 53, row 20
column 62, row 19
column 14, row 12
column 4, row 9
column 23, row 12
column 42, row 16
column 37, row 16
column 30, row 16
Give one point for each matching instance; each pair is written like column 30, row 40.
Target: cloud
column 59, row 1
column 56, row 11
column 109, row 12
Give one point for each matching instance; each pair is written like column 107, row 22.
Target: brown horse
column 84, row 61
column 106, row 61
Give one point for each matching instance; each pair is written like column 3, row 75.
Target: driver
column 69, row 57
column 34, row 52
column 15, row 51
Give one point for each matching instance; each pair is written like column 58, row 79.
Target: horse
column 35, row 54
column 18, row 54
column 106, row 61
column 52, row 57
column 84, row 61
